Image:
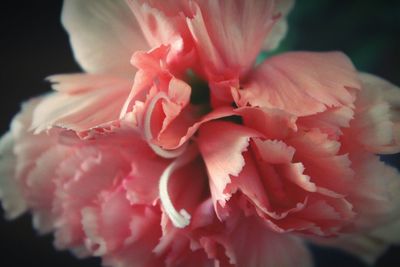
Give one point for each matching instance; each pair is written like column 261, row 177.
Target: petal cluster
column 173, row 148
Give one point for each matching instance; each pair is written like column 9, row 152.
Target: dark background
column 33, row 45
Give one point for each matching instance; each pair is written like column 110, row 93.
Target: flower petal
column 79, row 182
column 221, row 145
column 214, row 24
column 301, row 83
column 80, row 105
column 323, row 162
column 103, row 35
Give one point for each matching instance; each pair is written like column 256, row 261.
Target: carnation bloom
column 175, row 149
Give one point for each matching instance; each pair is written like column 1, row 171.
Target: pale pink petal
column 76, row 83
column 40, row 186
column 301, row 83
column 145, row 232
column 80, row 179
column 37, row 158
column 376, row 125
column 107, row 226
column 214, row 24
column 11, row 197
column 81, row 105
column 278, row 32
column 103, row 35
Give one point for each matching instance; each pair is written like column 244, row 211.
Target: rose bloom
column 173, row 148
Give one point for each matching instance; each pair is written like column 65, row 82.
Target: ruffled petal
column 222, row 145
column 301, row 83
column 107, row 226
column 85, row 103
column 103, row 35
column 80, row 179
column 323, row 161
column 144, row 233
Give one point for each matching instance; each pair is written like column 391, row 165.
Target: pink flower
column 175, row 149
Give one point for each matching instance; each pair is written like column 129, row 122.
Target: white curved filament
column 180, row 219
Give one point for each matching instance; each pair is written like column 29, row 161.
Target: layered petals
column 281, row 184
column 376, row 125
